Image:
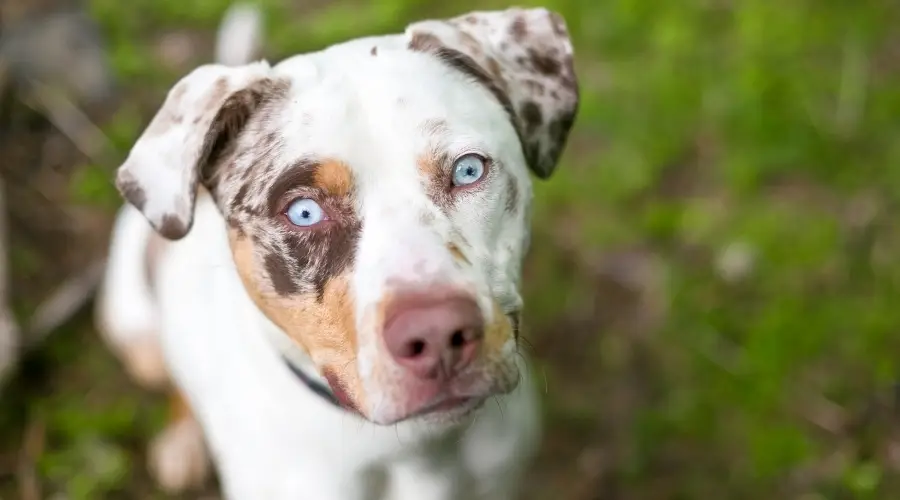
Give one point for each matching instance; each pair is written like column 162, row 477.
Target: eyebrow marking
column 301, row 174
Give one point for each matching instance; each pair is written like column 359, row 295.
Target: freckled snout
column 433, row 337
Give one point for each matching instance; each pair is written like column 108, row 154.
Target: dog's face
column 377, row 197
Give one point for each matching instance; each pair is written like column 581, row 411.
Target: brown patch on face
column 279, row 271
column 324, row 327
column 432, row 168
column 299, row 259
column 457, row 253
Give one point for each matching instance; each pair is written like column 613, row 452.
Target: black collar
column 315, row 386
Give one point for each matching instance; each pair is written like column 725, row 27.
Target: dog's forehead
column 373, row 103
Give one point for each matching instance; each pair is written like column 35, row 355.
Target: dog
column 321, row 259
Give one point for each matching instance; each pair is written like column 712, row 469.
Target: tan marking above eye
column 333, row 177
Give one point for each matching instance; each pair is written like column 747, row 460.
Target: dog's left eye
column 304, row 212
column 468, row 170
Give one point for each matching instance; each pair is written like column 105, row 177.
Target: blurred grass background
column 712, row 291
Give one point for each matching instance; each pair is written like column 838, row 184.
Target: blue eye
column 304, row 212
column 467, row 170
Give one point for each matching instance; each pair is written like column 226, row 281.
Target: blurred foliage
column 750, row 151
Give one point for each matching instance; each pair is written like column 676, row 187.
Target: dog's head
column 377, row 196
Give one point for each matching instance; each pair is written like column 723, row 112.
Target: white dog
column 330, row 272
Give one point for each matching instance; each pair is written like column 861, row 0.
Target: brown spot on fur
column 239, row 197
column 518, row 29
column 324, row 328
column 432, row 168
column 545, row 64
column 424, row 42
column 457, row 253
column 279, row 272
column 171, row 227
column 498, row 331
column 130, row 189
column 374, row 51
column 531, row 116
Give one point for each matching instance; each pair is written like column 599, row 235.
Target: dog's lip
column 448, row 404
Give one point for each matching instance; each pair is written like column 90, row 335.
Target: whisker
column 527, row 343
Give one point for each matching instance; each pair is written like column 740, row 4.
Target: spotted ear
column 524, row 56
column 200, row 117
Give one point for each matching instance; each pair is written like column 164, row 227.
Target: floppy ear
column 524, row 56
column 201, row 115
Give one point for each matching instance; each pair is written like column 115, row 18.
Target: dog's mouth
column 458, row 397
column 451, row 407
column 447, row 406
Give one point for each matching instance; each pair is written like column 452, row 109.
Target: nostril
column 458, row 339
column 416, row 348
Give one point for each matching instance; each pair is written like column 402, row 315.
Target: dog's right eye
column 304, row 212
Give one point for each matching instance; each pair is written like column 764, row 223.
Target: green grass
column 773, row 126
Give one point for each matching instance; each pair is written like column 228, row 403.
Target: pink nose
column 434, row 337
